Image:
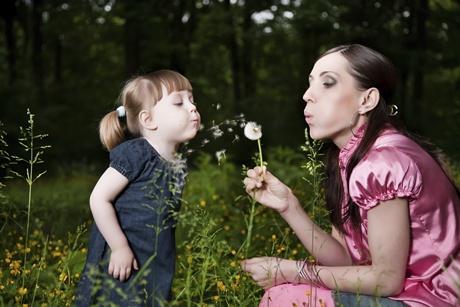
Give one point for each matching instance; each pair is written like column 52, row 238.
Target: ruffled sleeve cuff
column 385, row 173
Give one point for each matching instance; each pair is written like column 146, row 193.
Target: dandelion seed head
column 253, row 131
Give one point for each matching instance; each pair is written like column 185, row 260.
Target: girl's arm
column 109, row 186
column 389, row 239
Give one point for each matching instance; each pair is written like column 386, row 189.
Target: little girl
column 131, row 253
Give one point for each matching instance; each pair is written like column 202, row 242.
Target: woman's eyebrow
column 310, row 77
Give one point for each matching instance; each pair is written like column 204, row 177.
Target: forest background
column 66, row 62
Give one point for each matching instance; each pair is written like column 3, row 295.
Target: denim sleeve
column 127, row 159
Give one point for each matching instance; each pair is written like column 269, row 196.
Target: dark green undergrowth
column 44, row 222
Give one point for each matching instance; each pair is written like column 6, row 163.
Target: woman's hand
column 268, row 271
column 267, row 190
column 122, row 262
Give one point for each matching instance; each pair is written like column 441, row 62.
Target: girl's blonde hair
column 139, row 93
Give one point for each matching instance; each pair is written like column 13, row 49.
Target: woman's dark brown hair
column 369, row 68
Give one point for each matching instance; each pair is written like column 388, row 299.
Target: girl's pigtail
column 112, row 130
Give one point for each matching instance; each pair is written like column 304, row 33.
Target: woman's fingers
column 253, row 179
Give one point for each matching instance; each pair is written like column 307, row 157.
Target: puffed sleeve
column 127, row 159
column 385, row 173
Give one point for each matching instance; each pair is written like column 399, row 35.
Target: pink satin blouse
column 397, row 167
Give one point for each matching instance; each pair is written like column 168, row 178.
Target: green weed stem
column 34, row 153
column 250, row 225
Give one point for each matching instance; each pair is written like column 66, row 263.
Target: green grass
column 44, row 222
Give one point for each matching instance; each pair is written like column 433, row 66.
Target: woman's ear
column 146, row 120
column 370, row 99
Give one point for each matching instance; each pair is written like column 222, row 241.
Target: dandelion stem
column 260, row 156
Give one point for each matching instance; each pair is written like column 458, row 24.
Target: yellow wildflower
column 22, row 291
column 221, row 286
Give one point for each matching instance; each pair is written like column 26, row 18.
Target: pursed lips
column 308, row 118
column 194, row 121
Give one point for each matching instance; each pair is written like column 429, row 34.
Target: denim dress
column 146, row 213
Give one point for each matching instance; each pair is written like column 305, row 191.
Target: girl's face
column 176, row 117
column 332, row 100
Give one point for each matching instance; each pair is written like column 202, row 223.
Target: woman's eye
column 329, row 83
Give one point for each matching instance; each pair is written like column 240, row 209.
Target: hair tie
column 121, row 111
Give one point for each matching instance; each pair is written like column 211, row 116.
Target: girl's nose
column 192, row 106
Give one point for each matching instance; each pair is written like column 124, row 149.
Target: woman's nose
column 307, row 96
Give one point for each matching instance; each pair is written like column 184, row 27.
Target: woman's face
column 332, row 100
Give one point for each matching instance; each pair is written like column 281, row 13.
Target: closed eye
column 328, row 84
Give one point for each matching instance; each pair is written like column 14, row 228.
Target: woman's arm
column 109, row 186
column 272, row 193
column 389, row 239
column 329, row 250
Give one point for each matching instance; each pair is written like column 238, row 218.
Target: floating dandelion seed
column 253, row 131
column 217, row 132
column 220, row 155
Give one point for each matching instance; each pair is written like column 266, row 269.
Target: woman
column 395, row 239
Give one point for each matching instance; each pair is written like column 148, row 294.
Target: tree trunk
column 419, row 45
column 37, row 45
column 247, row 69
column 234, row 58
column 8, row 12
column 57, row 59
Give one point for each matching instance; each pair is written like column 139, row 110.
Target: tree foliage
column 67, row 61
